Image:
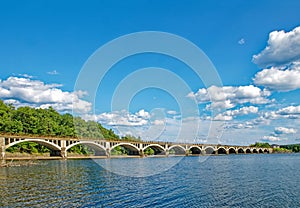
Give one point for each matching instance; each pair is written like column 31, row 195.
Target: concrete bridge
column 60, row 146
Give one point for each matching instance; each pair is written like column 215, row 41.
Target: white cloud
column 222, row 117
column 241, row 41
column 158, row 122
column 54, row 72
column 272, row 138
column 283, row 48
column 230, row 114
column 278, row 79
column 228, row 96
column 143, row 114
column 121, row 118
column 284, row 130
column 38, row 94
column 289, row 112
column 25, row 75
column 172, row 112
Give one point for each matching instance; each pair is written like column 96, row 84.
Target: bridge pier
column 142, row 154
column 63, row 151
column 2, row 148
column 167, row 153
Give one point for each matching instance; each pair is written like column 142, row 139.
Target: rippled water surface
column 218, row 181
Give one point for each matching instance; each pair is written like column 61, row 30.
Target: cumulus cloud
column 229, row 96
column 36, row 93
column 284, row 130
column 279, row 79
column 283, row 48
column 289, row 112
column 272, row 139
column 121, row 118
column 230, row 114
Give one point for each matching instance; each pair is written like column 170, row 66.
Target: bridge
column 60, row 147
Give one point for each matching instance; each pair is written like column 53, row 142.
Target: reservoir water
column 259, row 180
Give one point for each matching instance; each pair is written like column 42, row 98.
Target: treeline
column 281, row 148
column 292, row 147
column 261, row 145
column 48, row 122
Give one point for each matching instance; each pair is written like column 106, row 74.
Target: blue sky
column 253, row 45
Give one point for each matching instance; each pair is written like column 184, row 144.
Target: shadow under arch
column 125, row 149
column 158, row 149
column 209, row 151
column 99, row 150
column 195, row 150
column 222, row 151
column 178, row 150
column 241, row 151
column 231, row 150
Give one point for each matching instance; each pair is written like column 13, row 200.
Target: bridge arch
column 260, row 151
column 248, row 151
column 179, row 150
column 45, row 143
column 195, row 150
column 266, row 151
column 222, row 150
column 154, row 145
column 254, row 151
column 209, row 150
column 158, row 149
column 241, row 151
column 133, row 150
column 99, row 149
column 231, row 150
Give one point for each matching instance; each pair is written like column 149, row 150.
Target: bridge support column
column 107, row 146
column 2, row 148
column 167, row 152
column 142, row 153
column 187, row 152
column 63, row 151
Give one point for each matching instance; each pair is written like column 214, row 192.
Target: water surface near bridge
column 219, row 181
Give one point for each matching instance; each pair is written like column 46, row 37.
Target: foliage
column 131, row 138
column 281, row 150
column 28, row 147
column 149, row 151
column 119, row 150
column 262, row 145
column 292, row 147
column 81, row 149
column 48, row 122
